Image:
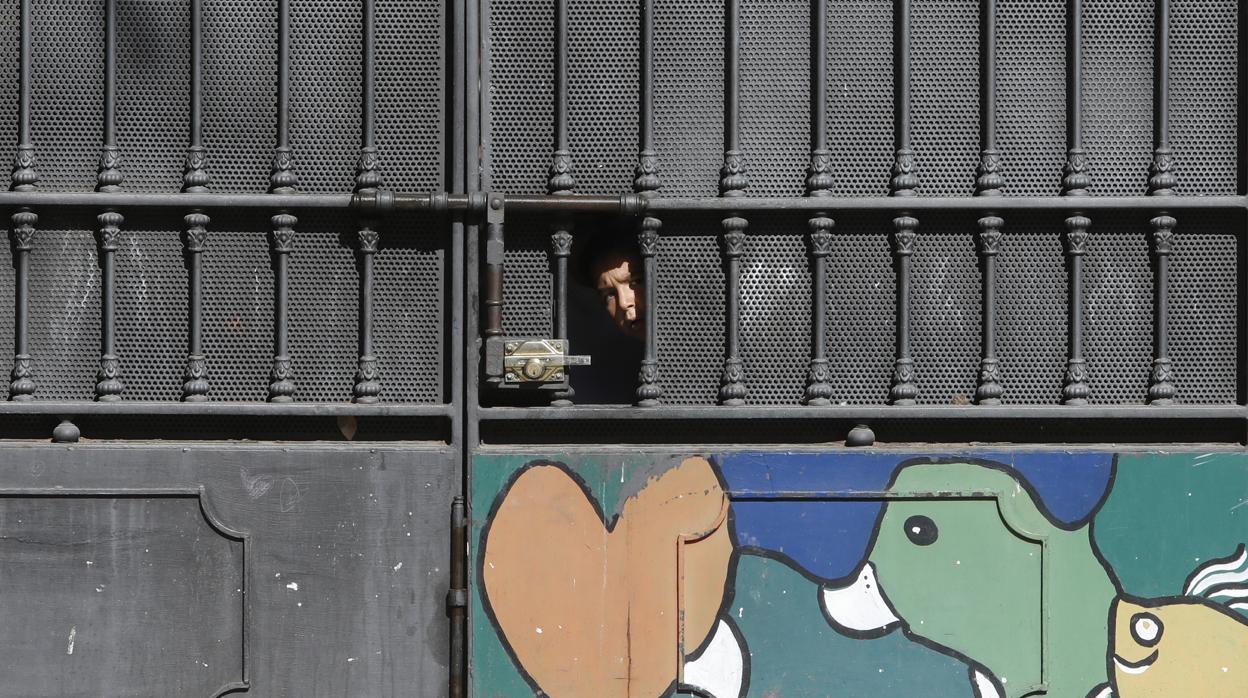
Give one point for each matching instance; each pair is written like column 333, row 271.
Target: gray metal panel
column 340, row 552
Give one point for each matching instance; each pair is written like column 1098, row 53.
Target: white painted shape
column 1221, row 573
column 73, row 633
column 1130, row 669
column 984, row 686
column 720, row 669
column 861, row 605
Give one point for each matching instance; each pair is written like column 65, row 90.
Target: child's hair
column 608, row 237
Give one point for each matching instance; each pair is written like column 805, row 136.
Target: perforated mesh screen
column 944, row 83
column 1031, row 94
column 240, row 118
column 1032, row 288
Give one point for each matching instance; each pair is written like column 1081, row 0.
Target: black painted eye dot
column 1146, row 628
column 921, row 530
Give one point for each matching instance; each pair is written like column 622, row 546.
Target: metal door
column 232, row 449
column 941, row 385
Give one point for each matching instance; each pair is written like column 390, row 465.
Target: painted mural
column 979, row 574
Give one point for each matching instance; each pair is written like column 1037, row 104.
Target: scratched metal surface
column 150, row 570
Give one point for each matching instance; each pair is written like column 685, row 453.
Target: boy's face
column 618, row 279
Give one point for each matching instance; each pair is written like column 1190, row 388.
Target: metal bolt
column 558, row 375
column 512, row 346
column 511, row 376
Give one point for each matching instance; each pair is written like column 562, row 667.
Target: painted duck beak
column 859, row 609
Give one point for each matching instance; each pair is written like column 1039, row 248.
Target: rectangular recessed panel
column 602, row 94
column 325, row 65
column 240, row 92
column 691, row 314
column 1204, row 95
column 689, row 95
column 153, row 92
column 861, row 311
column 67, row 92
column 1118, row 310
column 775, row 312
column 944, row 84
column 411, row 93
column 1204, row 318
column 1031, row 310
column 860, row 96
column 945, row 315
column 520, row 98
column 775, row 95
column 65, row 310
column 1118, row 94
column 1031, row 95
column 9, row 62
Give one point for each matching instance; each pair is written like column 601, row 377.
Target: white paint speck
column 957, row 562
column 741, row 612
column 539, row 631
column 1225, row 669
column 293, row 586
column 89, row 563
column 350, row 659
column 299, row 605
column 398, row 567
column 73, row 633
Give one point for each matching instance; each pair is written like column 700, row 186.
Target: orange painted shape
column 592, row 612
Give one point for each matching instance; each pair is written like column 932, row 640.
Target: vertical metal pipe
column 22, row 385
column 646, row 182
column 988, row 182
column 195, row 180
column 108, row 387
column 368, row 178
column 819, row 183
column 732, row 183
column 904, row 182
column 560, row 182
column 1075, row 182
column 1161, row 182
column 282, row 180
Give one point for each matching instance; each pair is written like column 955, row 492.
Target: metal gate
column 279, row 268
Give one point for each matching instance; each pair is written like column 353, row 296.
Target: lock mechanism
column 530, row 362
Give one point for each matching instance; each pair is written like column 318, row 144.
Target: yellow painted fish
column 1190, row 645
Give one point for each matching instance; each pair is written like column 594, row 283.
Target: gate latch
column 530, row 362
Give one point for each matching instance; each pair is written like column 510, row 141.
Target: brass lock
column 538, row 361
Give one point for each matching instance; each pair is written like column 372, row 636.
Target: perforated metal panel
column 944, row 54
column 240, row 120
column 1032, row 285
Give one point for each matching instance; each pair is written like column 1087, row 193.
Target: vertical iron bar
column 732, row 183
column 904, row 182
column 24, row 178
column 989, row 182
column 108, row 387
column 1161, row 182
column 819, row 183
column 195, row 180
column 457, row 594
column 1075, row 182
column 561, row 182
column 282, row 180
column 646, row 182
column 368, row 178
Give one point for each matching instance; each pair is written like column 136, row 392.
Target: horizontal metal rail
column 383, row 201
column 866, row 412
column 251, row 409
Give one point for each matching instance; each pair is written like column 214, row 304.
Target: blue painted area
column 795, row 503
column 1070, row 485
